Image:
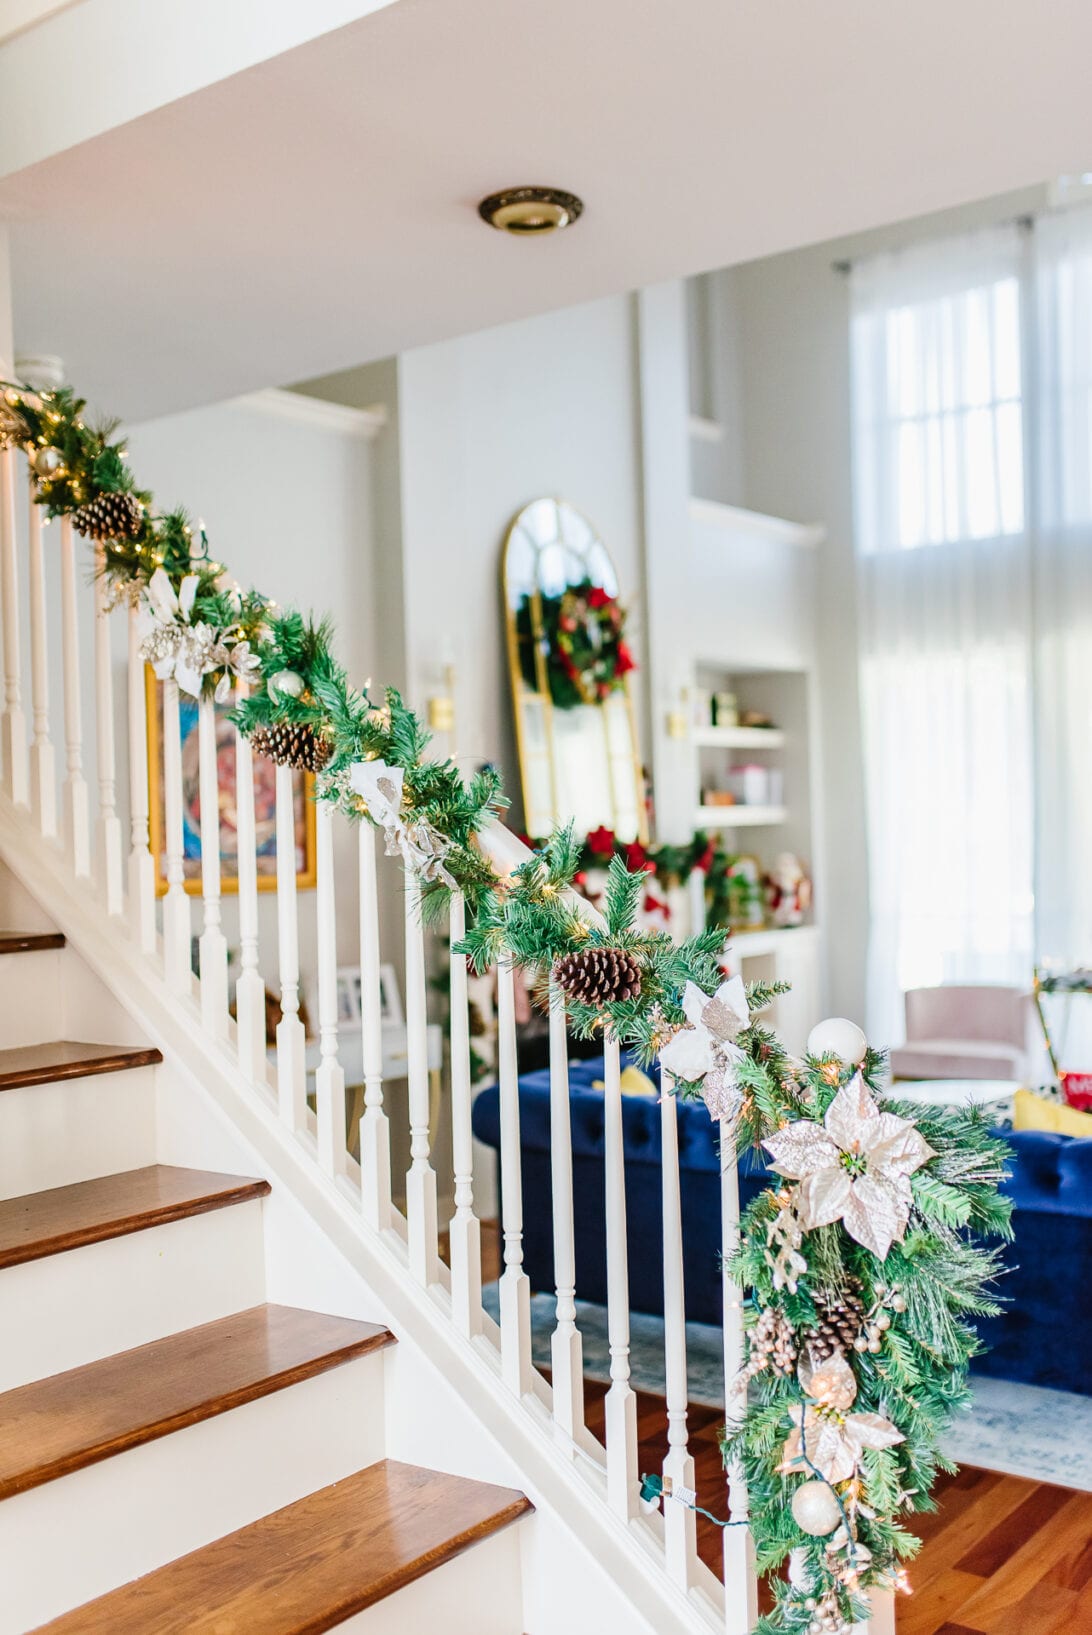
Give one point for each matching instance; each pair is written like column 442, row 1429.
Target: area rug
column 1022, row 1430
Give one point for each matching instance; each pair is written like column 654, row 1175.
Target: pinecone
column 289, row 744
column 598, row 976
column 840, row 1319
column 109, row 516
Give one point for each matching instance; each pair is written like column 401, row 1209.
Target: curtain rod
column 1025, row 223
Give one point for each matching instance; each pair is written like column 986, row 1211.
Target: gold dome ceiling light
column 527, row 211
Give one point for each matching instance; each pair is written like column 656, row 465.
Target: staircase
column 177, row 1453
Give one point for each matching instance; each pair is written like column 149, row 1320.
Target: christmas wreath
column 863, row 1272
column 582, row 640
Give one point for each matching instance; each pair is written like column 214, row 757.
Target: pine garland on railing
column 862, row 1268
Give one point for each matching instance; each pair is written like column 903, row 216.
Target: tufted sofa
column 1044, row 1336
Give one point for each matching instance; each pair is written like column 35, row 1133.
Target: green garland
column 730, row 893
column 903, row 1272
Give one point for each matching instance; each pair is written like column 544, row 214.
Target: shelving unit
column 737, row 738
column 739, row 817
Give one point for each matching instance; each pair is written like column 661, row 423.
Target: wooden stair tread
column 48, row 1223
column 57, row 1425
column 29, row 942
column 68, row 1059
column 306, row 1568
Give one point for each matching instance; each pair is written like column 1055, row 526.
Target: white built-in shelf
column 738, row 817
column 754, row 525
column 737, row 737
column 704, row 430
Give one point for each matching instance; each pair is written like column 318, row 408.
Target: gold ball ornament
column 285, row 684
column 47, row 462
column 815, row 1509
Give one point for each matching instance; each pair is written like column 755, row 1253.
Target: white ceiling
column 318, row 210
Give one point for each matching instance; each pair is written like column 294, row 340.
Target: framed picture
column 350, row 1003
column 265, row 801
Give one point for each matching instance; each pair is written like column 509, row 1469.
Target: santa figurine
column 788, row 891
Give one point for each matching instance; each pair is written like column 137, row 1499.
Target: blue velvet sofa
column 1043, row 1337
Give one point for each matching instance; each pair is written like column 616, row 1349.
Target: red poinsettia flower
column 600, row 842
column 653, row 905
column 625, row 661
column 705, row 861
column 637, row 858
column 598, row 597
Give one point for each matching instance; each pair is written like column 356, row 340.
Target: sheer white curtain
column 944, row 615
column 1061, row 462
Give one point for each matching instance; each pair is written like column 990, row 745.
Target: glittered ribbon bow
column 419, row 844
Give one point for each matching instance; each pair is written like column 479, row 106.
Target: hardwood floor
column 1001, row 1555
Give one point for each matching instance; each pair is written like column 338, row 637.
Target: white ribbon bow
column 419, row 844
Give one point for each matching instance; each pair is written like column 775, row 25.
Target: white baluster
column 740, row 1581
column 13, row 722
column 882, row 1615
column 77, row 801
column 566, row 1346
column 43, row 762
column 695, row 896
column 176, row 904
column 141, row 862
column 110, row 841
column 249, row 987
column 421, row 1178
column 330, row 1075
column 465, row 1232
column 291, row 1043
column 212, row 949
column 375, row 1136
column 515, row 1287
column 680, row 1522
column 620, row 1405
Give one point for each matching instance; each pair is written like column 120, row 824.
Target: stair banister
column 110, row 845
column 14, row 740
column 43, row 761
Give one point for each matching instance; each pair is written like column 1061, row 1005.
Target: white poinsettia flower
column 826, row 1436
column 855, row 1167
column 167, row 607
column 706, row 1048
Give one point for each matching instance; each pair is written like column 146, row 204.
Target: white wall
column 288, row 508
column 487, row 423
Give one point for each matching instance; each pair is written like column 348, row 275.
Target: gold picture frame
column 303, row 782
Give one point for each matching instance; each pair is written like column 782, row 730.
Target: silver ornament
column 47, row 462
column 815, row 1509
column 285, row 684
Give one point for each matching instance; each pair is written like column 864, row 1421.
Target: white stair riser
column 52, row 1135
column 477, row 1593
column 78, row 1537
column 73, row 1308
column 30, row 998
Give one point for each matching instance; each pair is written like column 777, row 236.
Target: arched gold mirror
column 570, row 666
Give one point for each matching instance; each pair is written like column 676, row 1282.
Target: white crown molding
column 315, row 411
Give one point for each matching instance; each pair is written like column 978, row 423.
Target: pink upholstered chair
column 966, row 1032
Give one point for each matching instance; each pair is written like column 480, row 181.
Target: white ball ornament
column 837, row 1037
column 285, row 684
column 815, row 1509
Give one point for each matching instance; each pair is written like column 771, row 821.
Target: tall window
column 944, row 581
